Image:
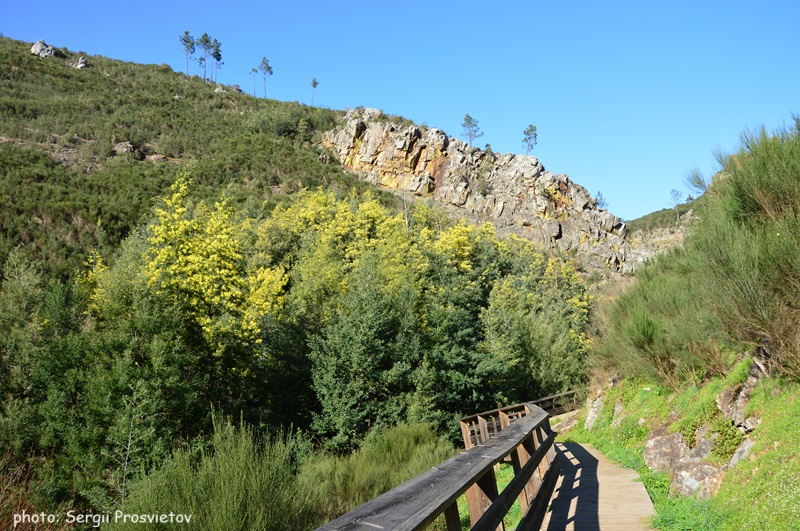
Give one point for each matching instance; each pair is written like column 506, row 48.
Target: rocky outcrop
column 690, row 469
column 732, row 401
column 42, row 49
column 80, row 63
column 514, row 192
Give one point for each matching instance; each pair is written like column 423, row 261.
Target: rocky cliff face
column 514, row 192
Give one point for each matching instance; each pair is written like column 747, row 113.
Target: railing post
column 484, row 436
column 466, row 431
column 525, row 450
column 480, row 496
column 452, row 519
column 517, row 465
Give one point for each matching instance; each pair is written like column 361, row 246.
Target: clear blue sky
column 627, row 97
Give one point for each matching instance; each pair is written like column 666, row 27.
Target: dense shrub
column 736, row 283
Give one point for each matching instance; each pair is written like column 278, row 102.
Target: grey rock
column 662, row 451
column 704, row 479
column 750, row 423
column 732, row 401
column 42, row 49
column 123, row 147
column 703, row 447
column 514, row 192
column 220, row 90
column 742, row 451
column 80, row 63
column 593, row 408
column 618, row 416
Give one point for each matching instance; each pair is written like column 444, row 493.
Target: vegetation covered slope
column 65, row 192
column 204, row 271
column 691, row 325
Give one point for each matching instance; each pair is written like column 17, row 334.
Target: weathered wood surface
column 480, row 426
column 495, row 514
column 595, row 494
column 416, row 503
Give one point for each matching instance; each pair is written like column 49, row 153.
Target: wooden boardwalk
column 595, row 494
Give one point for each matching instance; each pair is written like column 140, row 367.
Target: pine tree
column 216, row 54
column 267, row 70
column 314, row 85
column 188, row 43
column 529, row 140
column 471, row 129
column 205, row 44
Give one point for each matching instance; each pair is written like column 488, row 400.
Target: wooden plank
column 494, row 515
column 466, row 432
column 532, row 519
column 418, row 501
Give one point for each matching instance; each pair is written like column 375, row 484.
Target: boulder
column 42, row 49
column 593, row 408
column 704, row 479
column 742, row 451
column 663, row 452
column 80, row 63
column 123, row 148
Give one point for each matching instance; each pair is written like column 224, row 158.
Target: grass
column 758, row 493
column 661, row 219
column 240, row 482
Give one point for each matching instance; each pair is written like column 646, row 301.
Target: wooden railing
column 479, row 427
column 526, row 441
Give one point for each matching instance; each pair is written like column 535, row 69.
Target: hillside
column 200, row 286
column 114, row 135
column 697, row 362
column 86, row 151
column 190, row 276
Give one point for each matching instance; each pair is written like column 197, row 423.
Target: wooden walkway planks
column 595, row 494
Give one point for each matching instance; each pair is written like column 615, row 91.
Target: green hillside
column 222, row 314
column 200, row 312
column 704, row 321
column 67, row 193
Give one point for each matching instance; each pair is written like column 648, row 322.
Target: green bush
column 240, row 482
column 336, row 485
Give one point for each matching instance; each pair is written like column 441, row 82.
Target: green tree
column 254, row 73
column 529, row 140
column 601, row 201
column 677, row 196
column 188, row 43
column 314, row 85
column 206, row 45
column 471, row 130
column 216, row 55
column 266, row 69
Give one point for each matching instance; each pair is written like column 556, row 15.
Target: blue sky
column 627, row 97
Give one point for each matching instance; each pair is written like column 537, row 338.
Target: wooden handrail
column 527, row 442
column 481, row 426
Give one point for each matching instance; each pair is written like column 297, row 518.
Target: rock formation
column 514, row 192
column 42, row 49
column 80, row 63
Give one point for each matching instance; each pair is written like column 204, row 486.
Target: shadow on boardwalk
column 575, row 504
column 594, row 494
